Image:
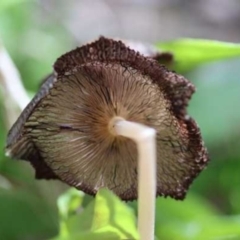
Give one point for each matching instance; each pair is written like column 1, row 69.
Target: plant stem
column 146, row 144
column 12, row 80
column 12, row 88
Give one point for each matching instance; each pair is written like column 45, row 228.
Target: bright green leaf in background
column 189, row 53
column 70, row 202
column 107, row 216
column 4, row 4
column 108, row 235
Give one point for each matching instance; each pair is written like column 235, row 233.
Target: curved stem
column 146, row 144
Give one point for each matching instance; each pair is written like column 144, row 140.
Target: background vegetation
column 31, row 209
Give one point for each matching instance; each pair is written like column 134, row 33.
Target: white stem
column 14, row 95
column 11, row 80
column 146, row 144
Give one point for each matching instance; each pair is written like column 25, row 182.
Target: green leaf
column 189, row 53
column 9, row 3
column 107, row 214
column 91, row 236
column 69, row 202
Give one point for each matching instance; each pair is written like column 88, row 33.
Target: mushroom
column 65, row 131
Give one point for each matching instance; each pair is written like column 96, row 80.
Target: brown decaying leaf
column 64, row 131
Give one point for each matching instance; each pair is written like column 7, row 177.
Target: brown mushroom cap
column 64, row 131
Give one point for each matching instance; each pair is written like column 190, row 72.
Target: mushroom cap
column 64, row 130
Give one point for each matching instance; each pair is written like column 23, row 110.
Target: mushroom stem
column 146, row 144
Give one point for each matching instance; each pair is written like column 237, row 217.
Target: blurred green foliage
column 106, row 215
column 189, row 53
column 28, row 208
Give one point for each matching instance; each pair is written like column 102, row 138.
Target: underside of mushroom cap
column 64, row 131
